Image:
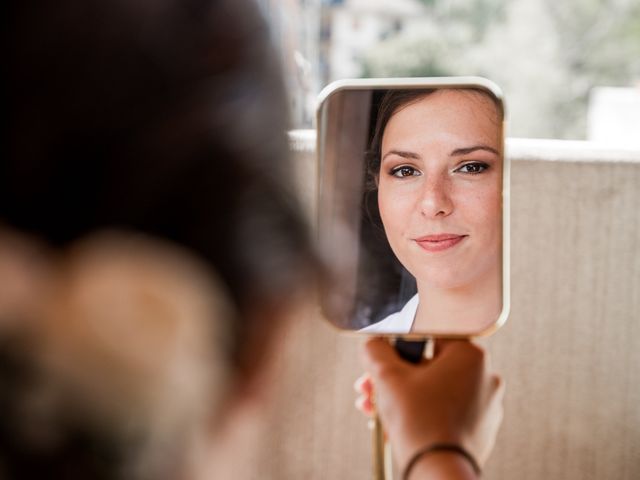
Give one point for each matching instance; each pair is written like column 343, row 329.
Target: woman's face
column 439, row 187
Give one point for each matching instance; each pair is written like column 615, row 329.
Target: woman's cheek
column 397, row 211
column 480, row 205
column 391, row 215
column 482, row 213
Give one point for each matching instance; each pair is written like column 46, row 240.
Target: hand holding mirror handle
column 440, row 415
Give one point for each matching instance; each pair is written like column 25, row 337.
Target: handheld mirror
column 413, row 206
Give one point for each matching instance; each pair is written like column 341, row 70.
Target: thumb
column 380, row 357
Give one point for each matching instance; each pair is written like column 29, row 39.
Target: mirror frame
column 463, row 82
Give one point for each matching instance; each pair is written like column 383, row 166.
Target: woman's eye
column 473, row 167
column 404, row 171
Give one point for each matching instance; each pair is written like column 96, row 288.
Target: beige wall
column 570, row 351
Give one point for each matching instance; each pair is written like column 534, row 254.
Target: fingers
column 380, row 357
column 363, row 384
column 365, row 405
column 379, row 354
column 461, row 356
column 383, row 363
column 364, row 387
column 464, row 348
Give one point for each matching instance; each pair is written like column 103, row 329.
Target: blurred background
column 570, row 71
column 575, row 63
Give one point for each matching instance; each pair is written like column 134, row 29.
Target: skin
column 453, row 398
column 441, row 172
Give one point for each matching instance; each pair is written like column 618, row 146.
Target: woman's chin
column 446, row 281
column 457, row 279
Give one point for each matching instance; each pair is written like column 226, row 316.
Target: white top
column 399, row 322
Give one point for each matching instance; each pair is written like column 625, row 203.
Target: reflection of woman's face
column 439, row 190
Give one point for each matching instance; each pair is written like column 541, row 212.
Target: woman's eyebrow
column 402, row 154
column 467, row 150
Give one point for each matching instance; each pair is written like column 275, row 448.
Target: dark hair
column 162, row 117
column 391, row 102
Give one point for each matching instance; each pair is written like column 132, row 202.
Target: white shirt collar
column 399, row 322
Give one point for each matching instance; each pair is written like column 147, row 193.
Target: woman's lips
column 439, row 242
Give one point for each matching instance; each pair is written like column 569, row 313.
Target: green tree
column 547, row 55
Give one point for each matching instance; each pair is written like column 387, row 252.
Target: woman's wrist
column 441, row 461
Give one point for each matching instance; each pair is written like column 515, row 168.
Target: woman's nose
column 436, row 198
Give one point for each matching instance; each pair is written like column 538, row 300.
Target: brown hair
column 391, row 102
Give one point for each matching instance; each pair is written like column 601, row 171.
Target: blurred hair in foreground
column 163, row 122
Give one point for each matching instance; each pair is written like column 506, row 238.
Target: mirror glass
column 412, row 206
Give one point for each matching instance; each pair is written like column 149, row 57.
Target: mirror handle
column 411, row 350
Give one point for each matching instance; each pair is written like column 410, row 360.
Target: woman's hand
column 452, row 398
